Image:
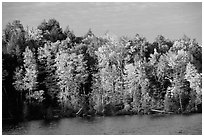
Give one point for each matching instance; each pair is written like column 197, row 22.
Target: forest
column 49, row 72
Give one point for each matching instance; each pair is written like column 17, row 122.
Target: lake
column 135, row 125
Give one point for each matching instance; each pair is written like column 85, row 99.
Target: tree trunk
column 180, row 103
column 113, row 93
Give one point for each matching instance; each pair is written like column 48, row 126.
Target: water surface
column 135, row 125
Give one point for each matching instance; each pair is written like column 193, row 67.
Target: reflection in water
column 152, row 124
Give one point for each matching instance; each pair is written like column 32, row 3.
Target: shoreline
column 8, row 121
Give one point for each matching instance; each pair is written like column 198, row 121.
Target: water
column 140, row 125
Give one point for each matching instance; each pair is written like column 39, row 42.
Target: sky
column 172, row 20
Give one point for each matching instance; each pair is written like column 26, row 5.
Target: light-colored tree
column 195, row 80
column 71, row 74
column 46, row 57
column 111, row 58
column 138, row 84
column 177, row 61
column 31, row 72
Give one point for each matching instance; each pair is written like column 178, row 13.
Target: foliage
column 195, row 80
column 46, row 57
column 30, row 78
column 111, row 63
column 71, row 74
column 14, row 36
column 18, row 77
column 138, row 86
column 51, row 30
column 49, row 67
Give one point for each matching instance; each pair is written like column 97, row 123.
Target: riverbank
column 57, row 114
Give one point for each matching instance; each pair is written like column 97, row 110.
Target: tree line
column 47, row 70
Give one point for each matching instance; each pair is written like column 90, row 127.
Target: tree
column 34, row 39
column 138, row 86
column 71, row 74
column 162, row 44
column 159, row 74
column 112, row 56
column 47, row 75
column 195, row 80
column 18, row 77
column 13, row 42
column 51, row 30
column 87, row 48
column 111, row 75
column 30, row 79
column 14, row 36
column 152, row 71
column 195, row 51
column 70, row 35
column 177, row 60
column 193, row 77
column 19, row 85
column 89, row 34
column 25, row 82
column 138, row 49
